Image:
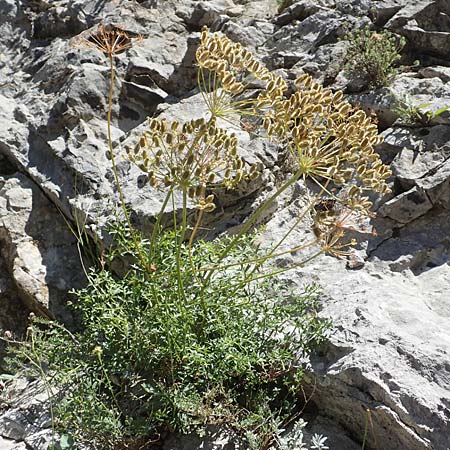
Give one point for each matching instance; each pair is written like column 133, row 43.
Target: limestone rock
column 426, row 24
column 383, row 10
column 297, row 11
column 260, row 10
column 250, row 35
column 429, row 94
column 422, row 161
column 438, row 185
column 324, row 66
column 407, row 206
column 379, row 102
column 9, row 444
column 206, row 13
column 26, row 424
column 389, row 337
column 323, row 27
column 59, row 138
column 432, row 93
column 43, row 266
column 437, row 71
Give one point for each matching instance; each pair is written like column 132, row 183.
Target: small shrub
column 373, row 55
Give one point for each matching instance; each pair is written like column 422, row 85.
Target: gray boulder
column 438, row 71
column 26, row 424
column 322, row 27
column 383, row 10
column 429, row 95
column 422, row 169
column 42, row 266
column 426, row 25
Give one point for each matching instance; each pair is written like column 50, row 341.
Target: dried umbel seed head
column 108, row 39
column 228, row 67
column 330, row 141
column 339, row 214
column 193, row 157
column 330, row 235
column 335, row 244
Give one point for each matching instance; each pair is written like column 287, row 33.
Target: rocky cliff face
column 390, row 349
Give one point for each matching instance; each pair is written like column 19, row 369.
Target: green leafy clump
column 151, row 357
column 373, row 55
column 295, row 439
column 410, row 114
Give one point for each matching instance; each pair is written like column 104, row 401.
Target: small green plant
column 373, row 55
column 292, row 440
column 411, row 114
column 194, row 333
column 295, row 439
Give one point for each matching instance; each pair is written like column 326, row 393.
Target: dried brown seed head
column 108, row 39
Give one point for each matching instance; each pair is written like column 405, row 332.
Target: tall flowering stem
column 111, row 41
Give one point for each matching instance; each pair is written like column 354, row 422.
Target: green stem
column 246, row 227
column 249, row 279
column 159, row 217
column 294, row 226
column 155, row 232
column 184, row 216
column 191, row 241
column 114, row 165
column 366, row 430
column 260, row 260
column 196, row 227
column 109, row 384
column 36, row 361
column 182, row 301
column 286, row 269
column 110, row 142
column 178, row 243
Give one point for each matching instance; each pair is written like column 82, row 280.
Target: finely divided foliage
column 195, row 333
column 372, row 55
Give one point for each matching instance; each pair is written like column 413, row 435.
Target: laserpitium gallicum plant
column 199, row 333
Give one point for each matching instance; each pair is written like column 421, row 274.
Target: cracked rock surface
column 43, row 265
column 389, row 352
